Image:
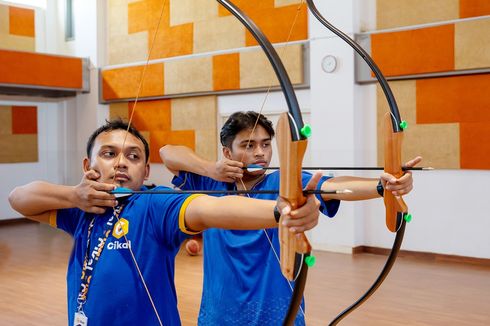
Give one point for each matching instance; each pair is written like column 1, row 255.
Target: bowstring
column 138, row 94
column 271, row 81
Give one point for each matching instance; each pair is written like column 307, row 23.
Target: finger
column 235, row 173
column 99, row 195
column 95, row 210
column 285, row 209
column 304, row 223
column 103, row 187
column 104, row 202
column 309, row 208
column 232, row 163
column 413, row 162
column 402, row 191
column 387, row 178
column 403, row 182
column 302, row 228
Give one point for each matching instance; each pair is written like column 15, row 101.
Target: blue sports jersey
column 116, row 294
column 243, row 284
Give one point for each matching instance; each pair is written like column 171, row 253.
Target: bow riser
column 291, row 153
column 395, row 205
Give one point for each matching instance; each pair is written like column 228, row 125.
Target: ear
column 227, row 153
column 147, row 171
column 86, row 164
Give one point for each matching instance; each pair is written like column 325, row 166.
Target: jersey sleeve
column 327, row 207
column 66, row 219
column 168, row 215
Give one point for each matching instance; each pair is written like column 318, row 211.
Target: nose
column 121, row 161
column 259, row 151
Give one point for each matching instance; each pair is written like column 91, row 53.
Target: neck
column 248, row 181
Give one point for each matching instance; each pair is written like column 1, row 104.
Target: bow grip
column 291, row 153
column 395, row 206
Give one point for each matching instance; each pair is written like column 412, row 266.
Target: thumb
column 92, row 175
column 313, row 183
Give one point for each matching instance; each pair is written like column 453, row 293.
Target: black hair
column 239, row 121
column 117, row 124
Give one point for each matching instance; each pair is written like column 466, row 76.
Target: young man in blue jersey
column 121, row 270
column 242, row 277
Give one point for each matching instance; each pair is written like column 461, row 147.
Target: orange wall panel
column 159, row 139
column 173, row 41
column 248, row 6
column 463, row 100
column 473, row 8
column 281, row 24
column 170, row 41
column 138, row 20
column 24, row 120
column 21, row 21
column 475, row 145
column 124, row 83
column 226, row 72
column 276, row 23
column 415, row 51
column 453, row 99
column 40, row 69
column 151, row 115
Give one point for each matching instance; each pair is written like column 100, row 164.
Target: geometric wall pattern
column 448, row 120
column 449, row 117
column 17, row 28
column 392, row 14
column 195, row 26
column 188, row 31
column 457, row 46
column 225, row 72
column 21, row 68
column 18, row 134
column 185, row 121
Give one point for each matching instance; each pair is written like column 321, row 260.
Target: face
column 258, row 151
column 123, row 167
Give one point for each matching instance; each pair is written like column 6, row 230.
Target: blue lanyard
column 91, row 259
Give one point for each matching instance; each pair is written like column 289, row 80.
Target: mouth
column 261, row 163
column 121, row 177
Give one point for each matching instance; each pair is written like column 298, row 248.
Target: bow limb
column 396, row 209
column 293, row 131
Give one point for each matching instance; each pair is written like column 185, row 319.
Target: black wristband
column 380, row 189
column 277, row 214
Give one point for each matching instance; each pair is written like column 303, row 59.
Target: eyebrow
column 117, row 147
column 246, row 141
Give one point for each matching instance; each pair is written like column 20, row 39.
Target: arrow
column 256, row 167
column 125, row 192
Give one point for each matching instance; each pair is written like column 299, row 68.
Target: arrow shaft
column 216, row 192
column 342, row 168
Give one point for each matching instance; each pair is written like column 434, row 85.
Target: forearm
column 362, row 188
column 230, row 212
column 40, row 197
column 182, row 158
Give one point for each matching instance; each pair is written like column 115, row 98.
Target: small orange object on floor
column 193, row 247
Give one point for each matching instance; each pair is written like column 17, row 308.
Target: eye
column 133, row 156
column 248, row 145
column 108, row 154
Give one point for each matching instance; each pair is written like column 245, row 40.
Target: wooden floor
column 33, row 265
